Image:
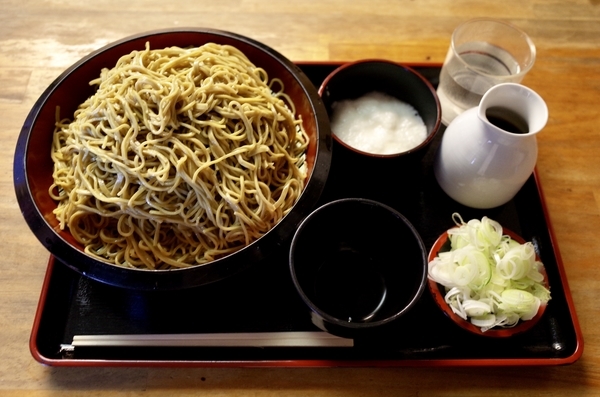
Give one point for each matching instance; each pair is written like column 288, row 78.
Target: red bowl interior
column 437, row 291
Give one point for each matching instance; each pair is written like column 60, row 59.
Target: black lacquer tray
column 263, row 299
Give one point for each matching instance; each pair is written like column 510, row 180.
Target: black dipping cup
column 358, row 265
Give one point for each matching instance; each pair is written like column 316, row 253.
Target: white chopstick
column 260, row 339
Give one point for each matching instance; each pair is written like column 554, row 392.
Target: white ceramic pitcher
column 488, row 152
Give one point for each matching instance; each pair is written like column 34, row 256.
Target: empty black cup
column 358, row 265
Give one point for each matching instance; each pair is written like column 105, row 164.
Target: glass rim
column 529, row 43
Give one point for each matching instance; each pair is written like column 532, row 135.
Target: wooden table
column 38, row 40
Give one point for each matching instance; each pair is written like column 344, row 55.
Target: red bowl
column 437, row 291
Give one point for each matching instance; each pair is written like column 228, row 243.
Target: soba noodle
column 181, row 156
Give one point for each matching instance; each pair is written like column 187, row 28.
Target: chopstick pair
column 260, row 339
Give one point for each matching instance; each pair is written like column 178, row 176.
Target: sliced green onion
column 490, row 279
column 476, row 308
column 486, row 321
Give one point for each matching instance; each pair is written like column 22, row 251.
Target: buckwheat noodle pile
column 181, row 156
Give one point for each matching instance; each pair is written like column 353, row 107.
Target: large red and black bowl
column 33, row 164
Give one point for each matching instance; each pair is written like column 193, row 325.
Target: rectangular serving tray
column 263, row 299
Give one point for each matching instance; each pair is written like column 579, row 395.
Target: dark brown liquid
column 349, row 287
column 507, row 120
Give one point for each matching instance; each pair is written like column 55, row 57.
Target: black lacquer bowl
column 358, row 265
column 353, row 80
column 33, row 165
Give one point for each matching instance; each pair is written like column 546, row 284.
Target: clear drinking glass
column 483, row 53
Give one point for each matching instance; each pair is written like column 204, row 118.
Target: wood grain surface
column 40, row 39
